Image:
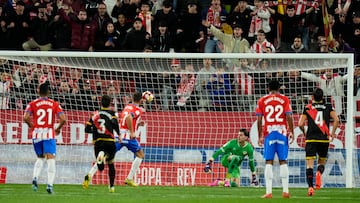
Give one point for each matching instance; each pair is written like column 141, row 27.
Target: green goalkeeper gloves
column 254, row 181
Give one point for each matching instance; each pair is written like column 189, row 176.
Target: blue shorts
column 131, row 144
column 277, row 143
column 44, row 147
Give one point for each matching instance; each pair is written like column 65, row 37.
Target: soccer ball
column 148, row 96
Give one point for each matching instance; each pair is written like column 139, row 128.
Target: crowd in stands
column 180, row 25
column 191, row 85
column 189, row 26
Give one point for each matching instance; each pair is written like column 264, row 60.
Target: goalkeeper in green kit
column 233, row 153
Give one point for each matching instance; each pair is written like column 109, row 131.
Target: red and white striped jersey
column 135, row 112
column 245, row 83
column 261, row 47
column 43, row 111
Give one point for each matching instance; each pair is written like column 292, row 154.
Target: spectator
column 61, row 31
column 261, row 44
column 18, row 26
column 241, row 15
column 3, row 29
column 145, row 16
column 185, row 87
column 167, row 16
column 189, row 30
column 5, row 87
column 86, row 99
column 157, row 5
column 219, row 88
column 66, row 96
column 297, row 46
column 137, row 38
column 355, row 36
column 115, row 100
column 91, row 7
column 162, row 40
column 127, row 7
column 357, row 80
column 169, row 84
column 122, row 27
column 19, row 76
column 40, row 32
column 262, row 78
column 214, row 15
column 332, row 85
column 100, row 20
column 82, row 34
column 260, row 19
column 244, row 86
column 290, row 25
column 110, row 40
column 342, row 28
column 234, row 43
column 202, row 80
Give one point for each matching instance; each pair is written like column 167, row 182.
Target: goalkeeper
column 233, row 153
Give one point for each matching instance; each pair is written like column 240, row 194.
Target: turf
column 99, row 193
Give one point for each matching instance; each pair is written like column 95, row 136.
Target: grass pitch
column 99, row 193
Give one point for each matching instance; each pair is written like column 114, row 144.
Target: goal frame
column 349, row 134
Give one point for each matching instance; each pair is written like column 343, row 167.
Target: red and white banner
column 166, row 129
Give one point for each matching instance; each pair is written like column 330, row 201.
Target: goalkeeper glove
column 254, row 181
column 207, row 168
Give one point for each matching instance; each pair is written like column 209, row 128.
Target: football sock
column 93, row 170
column 321, row 169
column 268, row 178
column 38, row 167
column 51, row 171
column 284, row 175
column 134, row 167
column 111, row 174
column 310, row 176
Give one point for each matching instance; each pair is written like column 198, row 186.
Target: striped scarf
column 146, row 21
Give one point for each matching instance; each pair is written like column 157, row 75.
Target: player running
column 277, row 113
column 43, row 111
column 317, row 115
column 102, row 124
column 131, row 144
column 233, row 153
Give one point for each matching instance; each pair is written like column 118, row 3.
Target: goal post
column 201, row 102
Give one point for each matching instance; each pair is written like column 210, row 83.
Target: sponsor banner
column 161, row 174
column 165, row 129
column 164, row 166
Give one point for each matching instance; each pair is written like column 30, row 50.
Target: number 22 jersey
column 274, row 107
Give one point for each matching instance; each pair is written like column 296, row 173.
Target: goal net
column 201, row 102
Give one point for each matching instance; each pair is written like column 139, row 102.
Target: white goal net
column 201, row 101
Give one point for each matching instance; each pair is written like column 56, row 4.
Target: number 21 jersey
column 43, row 111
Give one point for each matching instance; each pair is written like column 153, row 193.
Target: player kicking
column 317, row 115
column 277, row 113
column 43, row 111
column 130, row 119
column 134, row 110
column 233, row 153
column 102, row 124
